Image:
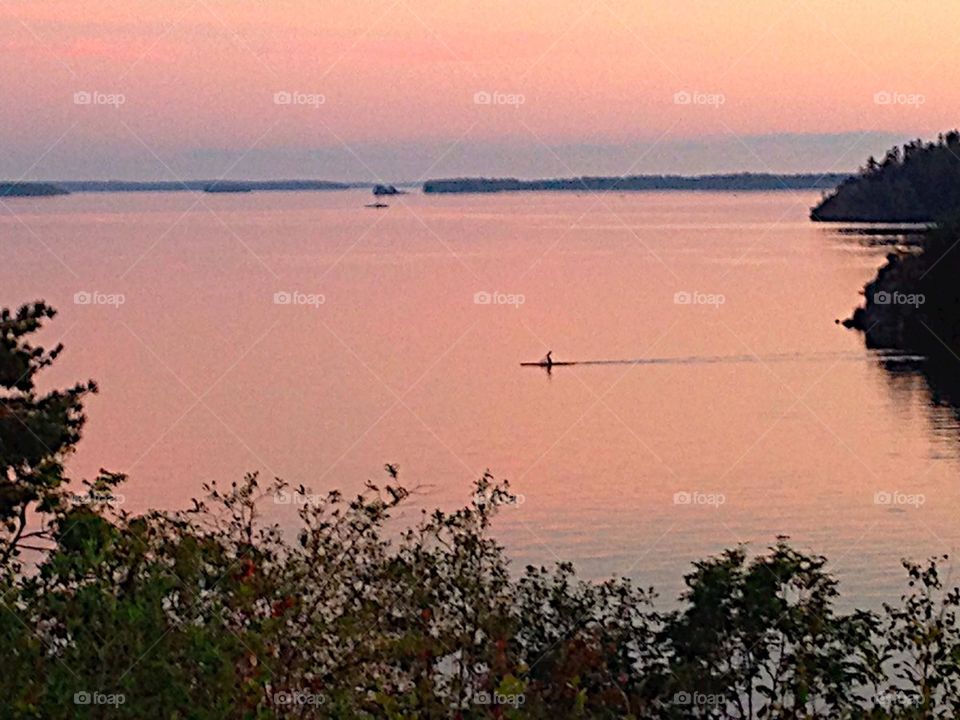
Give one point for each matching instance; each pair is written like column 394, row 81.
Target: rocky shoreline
column 913, row 303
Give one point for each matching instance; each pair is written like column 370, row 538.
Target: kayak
column 545, row 364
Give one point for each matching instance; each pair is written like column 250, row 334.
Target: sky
column 402, row 90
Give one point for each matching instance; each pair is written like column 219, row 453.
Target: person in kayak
column 549, row 360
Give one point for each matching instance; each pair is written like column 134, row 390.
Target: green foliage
column 37, row 430
column 209, row 614
column 212, row 613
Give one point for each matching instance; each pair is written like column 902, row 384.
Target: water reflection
column 933, row 382
column 885, row 235
column 936, row 383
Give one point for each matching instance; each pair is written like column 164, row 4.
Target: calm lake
column 304, row 336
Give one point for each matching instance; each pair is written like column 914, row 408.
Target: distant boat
column 377, row 205
column 547, row 362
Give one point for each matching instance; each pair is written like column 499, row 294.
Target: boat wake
column 886, row 356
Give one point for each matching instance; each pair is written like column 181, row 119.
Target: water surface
column 731, row 386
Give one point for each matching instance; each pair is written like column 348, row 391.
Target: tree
column 37, row 430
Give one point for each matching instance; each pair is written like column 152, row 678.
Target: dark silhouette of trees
column 914, row 300
column 740, row 182
column 37, row 430
column 920, row 183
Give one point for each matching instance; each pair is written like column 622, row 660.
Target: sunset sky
column 389, row 89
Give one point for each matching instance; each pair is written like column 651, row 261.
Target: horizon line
column 367, row 182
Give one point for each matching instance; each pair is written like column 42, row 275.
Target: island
column 227, row 187
column 737, row 182
column 31, row 189
column 387, row 190
column 111, row 186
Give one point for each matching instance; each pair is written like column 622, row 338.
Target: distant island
column 736, row 182
column 744, row 182
column 109, row 186
column 917, row 183
column 228, row 187
column 387, row 190
column 31, row 189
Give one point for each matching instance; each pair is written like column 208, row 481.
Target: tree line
column 919, row 182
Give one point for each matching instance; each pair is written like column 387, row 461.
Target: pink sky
column 398, row 81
